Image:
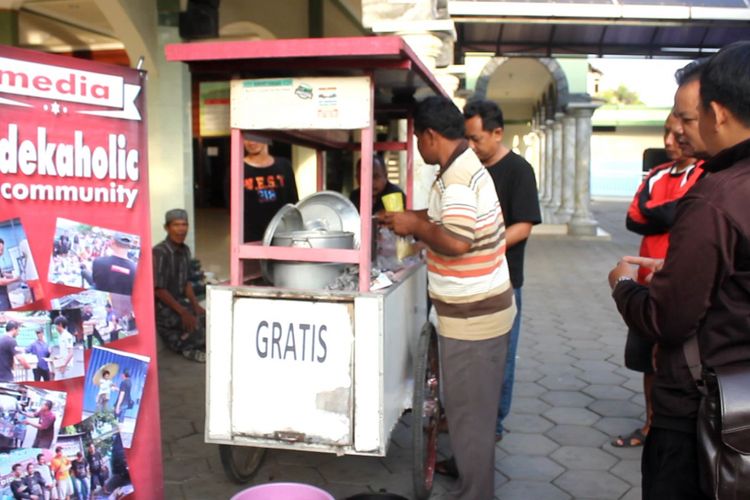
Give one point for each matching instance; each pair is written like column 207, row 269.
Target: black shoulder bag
column 723, row 426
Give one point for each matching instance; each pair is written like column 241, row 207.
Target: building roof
column 652, row 28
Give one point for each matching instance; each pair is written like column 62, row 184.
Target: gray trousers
column 472, row 375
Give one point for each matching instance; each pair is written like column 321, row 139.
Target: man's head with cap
column 124, row 240
column 176, row 225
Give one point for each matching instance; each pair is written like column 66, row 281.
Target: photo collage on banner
column 75, row 282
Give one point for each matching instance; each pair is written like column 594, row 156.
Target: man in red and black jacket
column 652, row 214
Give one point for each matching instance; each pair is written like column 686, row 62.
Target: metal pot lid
column 311, row 233
column 288, row 218
column 330, row 211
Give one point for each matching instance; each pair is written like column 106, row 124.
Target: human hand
column 401, row 223
column 652, row 264
column 622, row 269
column 199, row 310
column 188, row 321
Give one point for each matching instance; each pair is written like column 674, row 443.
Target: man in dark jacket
column 704, row 283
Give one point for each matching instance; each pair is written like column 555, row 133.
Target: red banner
column 73, row 174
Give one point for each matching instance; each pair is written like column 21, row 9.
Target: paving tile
column 602, row 377
column 592, row 365
column 567, row 398
column 526, row 423
column 527, row 490
column 583, row 458
column 173, row 490
column 177, row 428
column 527, row 374
column 528, row 389
column 179, row 469
column 573, row 416
column 591, row 484
column 516, row 443
column 631, row 453
column 353, row 469
column 616, row 408
column 558, row 369
column 580, row 345
column 591, row 354
column 553, row 357
column 533, row 468
column 603, row 391
column 577, row 435
column 633, row 494
column 628, row 470
column 525, row 405
column 562, row 382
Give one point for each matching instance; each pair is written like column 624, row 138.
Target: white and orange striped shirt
column 472, row 293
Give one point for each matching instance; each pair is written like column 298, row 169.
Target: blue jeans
column 506, row 393
column 81, row 486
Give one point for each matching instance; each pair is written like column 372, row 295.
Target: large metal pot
column 309, row 274
column 314, row 239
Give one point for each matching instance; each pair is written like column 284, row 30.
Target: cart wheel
column 241, row 462
column 425, row 412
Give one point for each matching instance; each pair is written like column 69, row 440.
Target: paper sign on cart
column 340, row 103
column 292, row 370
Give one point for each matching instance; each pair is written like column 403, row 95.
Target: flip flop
column 632, row 440
column 447, row 467
column 195, row 355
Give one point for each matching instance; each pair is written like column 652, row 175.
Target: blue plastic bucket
column 283, row 491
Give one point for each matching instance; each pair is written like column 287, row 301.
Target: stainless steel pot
column 309, row 274
column 314, row 239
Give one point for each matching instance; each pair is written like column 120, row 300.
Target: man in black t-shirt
column 516, row 189
column 268, row 184
column 115, row 273
column 96, row 467
column 8, row 352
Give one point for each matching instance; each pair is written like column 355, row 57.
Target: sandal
column 632, row 440
column 447, row 467
column 195, row 355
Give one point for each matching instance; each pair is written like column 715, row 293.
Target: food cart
column 308, row 368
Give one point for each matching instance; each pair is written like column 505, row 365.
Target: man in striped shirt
column 469, row 285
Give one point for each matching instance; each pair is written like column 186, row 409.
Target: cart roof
column 398, row 72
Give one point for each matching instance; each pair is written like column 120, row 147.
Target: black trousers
column 669, row 466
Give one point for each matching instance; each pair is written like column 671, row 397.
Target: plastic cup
column 393, row 202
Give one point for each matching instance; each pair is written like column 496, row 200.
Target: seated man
column 180, row 319
column 380, row 185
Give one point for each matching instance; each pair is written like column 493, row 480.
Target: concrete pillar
column 541, row 132
column 582, row 223
column 9, row 26
column 549, row 150
column 568, row 174
column 557, row 149
column 170, row 151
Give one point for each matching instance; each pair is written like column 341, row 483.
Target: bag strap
column 693, row 358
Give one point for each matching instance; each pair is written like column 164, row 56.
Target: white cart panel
column 302, row 350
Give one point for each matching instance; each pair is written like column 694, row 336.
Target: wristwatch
column 623, row 278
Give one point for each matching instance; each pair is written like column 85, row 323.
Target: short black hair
column 2, row 241
column 14, row 467
column 62, row 321
column 441, row 115
column 691, row 71
column 58, row 449
column 105, row 372
column 488, row 111
column 376, row 160
column 726, row 80
column 40, row 455
column 48, row 403
column 126, row 373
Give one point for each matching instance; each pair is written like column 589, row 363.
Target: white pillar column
column 549, row 149
column 582, row 223
column 541, row 132
column 556, row 195
column 567, row 201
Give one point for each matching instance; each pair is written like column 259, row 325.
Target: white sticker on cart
column 334, row 103
column 292, row 369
